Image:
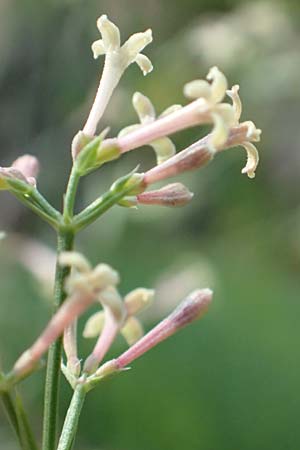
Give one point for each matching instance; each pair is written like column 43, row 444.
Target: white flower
column 126, row 54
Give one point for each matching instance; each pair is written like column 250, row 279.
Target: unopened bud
column 191, row 309
column 174, row 195
column 28, row 165
column 137, row 300
column 193, row 157
column 80, row 140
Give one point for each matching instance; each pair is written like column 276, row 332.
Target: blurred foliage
column 230, row 382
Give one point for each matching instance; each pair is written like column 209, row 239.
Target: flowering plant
column 77, row 284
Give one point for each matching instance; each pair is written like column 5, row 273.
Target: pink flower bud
column 192, row 308
column 29, row 166
column 175, row 194
column 193, row 157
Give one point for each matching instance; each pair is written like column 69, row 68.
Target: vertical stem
column 70, row 195
column 10, row 411
column 64, row 243
column 72, row 418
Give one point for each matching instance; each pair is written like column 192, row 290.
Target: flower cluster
column 86, row 286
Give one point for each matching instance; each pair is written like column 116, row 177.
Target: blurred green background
column 232, row 381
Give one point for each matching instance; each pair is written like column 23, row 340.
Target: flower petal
column 110, row 33
column 164, row 149
column 143, row 107
column 98, row 48
column 135, row 44
column 252, row 159
column 218, row 85
column 144, row 63
column 233, row 93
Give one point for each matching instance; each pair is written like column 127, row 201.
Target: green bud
column 19, row 186
column 86, row 160
column 128, row 202
column 107, row 154
column 131, row 183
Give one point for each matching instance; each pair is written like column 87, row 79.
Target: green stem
column 36, row 209
column 99, row 207
column 72, row 418
column 10, row 411
column 27, row 436
column 45, row 205
column 19, row 422
column 71, row 194
column 65, row 243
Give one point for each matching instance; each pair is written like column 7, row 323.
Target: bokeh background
column 232, row 381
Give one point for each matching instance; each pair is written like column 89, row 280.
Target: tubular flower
column 208, row 106
column 163, row 147
column 117, row 59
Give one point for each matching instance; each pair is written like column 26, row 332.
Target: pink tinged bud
column 7, row 173
column 28, row 165
column 193, row 157
column 189, row 310
column 175, row 194
column 24, row 169
column 68, row 312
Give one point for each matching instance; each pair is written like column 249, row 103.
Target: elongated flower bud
column 194, row 157
column 189, row 310
column 174, row 195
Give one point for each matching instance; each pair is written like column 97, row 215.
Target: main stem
column 64, row 243
column 71, row 422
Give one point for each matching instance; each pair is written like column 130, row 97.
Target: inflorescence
column 85, row 285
